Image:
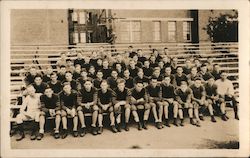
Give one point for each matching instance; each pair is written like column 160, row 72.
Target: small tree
column 223, row 28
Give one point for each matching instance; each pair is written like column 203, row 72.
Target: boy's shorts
column 140, row 107
column 109, row 109
column 91, row 109
column 64, row 113
column 31, row 115
column 47, row 114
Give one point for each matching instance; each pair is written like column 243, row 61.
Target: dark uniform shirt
column 40, row 88
column 197, row 91
column 87, row 97
column 148, row 71
column 68, row 101
column 129, row 83
column 167, row 91
column 57, row 87
column 211, row 90
column 121, row 96
column 50, row 103
column 106, row 73
column 138, row 95
column 183, row 95
column 178, row 79
column 105, row 98
column 153, row 91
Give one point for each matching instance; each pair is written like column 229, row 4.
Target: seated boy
column 50, row 106
column 154, row 97
column 168, row 99
column 88, row 104
column 68, row 102
column 121, row 97
column 198, row 100
column 105, row 105
column 183, row 97
column 32, row 105
column 139, row 99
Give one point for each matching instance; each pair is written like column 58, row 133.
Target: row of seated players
column 152, row 94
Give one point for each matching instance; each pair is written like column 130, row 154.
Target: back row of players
column 108, row 84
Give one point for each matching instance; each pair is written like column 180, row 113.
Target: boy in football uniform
column 167, row 73
column 157, row 74
column 39, row 85
column 216, row 72
column 46, row 77
column 204, row 74
column 77, row 72
column 55, row 84
column 174, row 65
column 105, row 105
column 187, row 67
column 79, row 60
column 50, row 106
column 133, row 70
column 212, row 99
column 193, row 75
column 61, row 73
column 112, row 80
column 129, row 80
column 139, row 99
column 30, row 109
column 168, row 99
column 198, row 100
column 98, row 80
column 141, row 78
column 29, row 79
column 148, row 71
column 87, row 102
column 121, row 97
column 179, row 76
column 183, row 97
column 153, row 62
column 68, row 102
column 92, row 73
column 106, row 70
column 154, row 96
column 81, row 80
column 69, row 79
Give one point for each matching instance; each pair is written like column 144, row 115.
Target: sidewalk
column 210, row 135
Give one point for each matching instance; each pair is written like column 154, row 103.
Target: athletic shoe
column 213, row 119
column 20, row 136
column 167, row 123
column 39, row 136
column 75, row 133
column 56, row 135
column 82, row 132
column 236, row 117
column 182, row 123
column 201, row 118
column 158, row 125
column 119, row 127
column 94, row 130
column 192, row 121
column 33, row 135
column 113, row 129
column 100, row 130
column 224, row 118
column 176, row 122
column 64, row 133
column 139, row 126
column 144, row 125
column 126, row 127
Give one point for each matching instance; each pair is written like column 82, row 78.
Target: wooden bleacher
column 22, row 57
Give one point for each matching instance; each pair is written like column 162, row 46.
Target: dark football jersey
column 211, row 90
column 153, row 91
column 121, row 96
column 57, row 87
column 168, row 91
column 179, row 79
column 183, row 95
column 197, row 91
column 86, row 96
column 40, row 88
column 138, row 95
column 105, row 98
column 68, row 101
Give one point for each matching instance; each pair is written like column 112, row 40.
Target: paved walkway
column 210, row 135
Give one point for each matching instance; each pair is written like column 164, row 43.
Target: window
column 83, row 37
column 187, row 31
column 136, row 31
column 130, row 31
column 157, row 31
column 82, row 18
column 74, row 16
column 172, row 31
column 75, row 37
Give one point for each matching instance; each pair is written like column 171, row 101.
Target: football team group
column 123, row 85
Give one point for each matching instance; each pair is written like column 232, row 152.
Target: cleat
column 39, row 136
column 82, row 132
column 126, row 127
column 213, row 119
column 20, row 136
column 113, row 129
column 64, row 133
column 56, row 135
column 100, row 130
column 139, row 126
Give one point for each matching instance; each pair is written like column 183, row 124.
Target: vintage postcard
column 125, row 78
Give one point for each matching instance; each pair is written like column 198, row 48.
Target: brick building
column 29, row 27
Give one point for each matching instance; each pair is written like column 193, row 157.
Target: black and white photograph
column 132, row 79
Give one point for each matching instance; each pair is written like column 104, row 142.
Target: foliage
column 223, row 28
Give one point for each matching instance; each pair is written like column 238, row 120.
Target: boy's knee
column 147, row 106
column 63, row 113
column 127, row 106
column 133, row 108
column 95, row 107
column 111, row 109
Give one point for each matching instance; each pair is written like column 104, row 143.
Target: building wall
column 147, row 17
column 40, row 26
column 203, row 21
